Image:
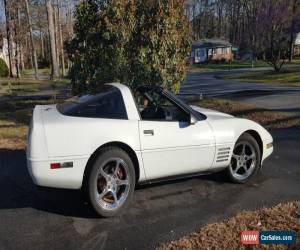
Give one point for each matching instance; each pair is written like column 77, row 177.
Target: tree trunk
column 42, row 45
column 31, row 40
column 20, row 46
column 41, row 35
column 16, row 50
column 61, row 42
column 7, row 16
column 54, row 69
column 56, row 35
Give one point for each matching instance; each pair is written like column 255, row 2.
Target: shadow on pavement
column 18, row 191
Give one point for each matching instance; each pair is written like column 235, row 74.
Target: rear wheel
column 245, row 159
column 111, row 182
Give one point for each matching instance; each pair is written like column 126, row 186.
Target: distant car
column 110, row 141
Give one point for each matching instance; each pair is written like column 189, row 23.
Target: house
column 211, row 50
column 4, row 50
column 297, row 45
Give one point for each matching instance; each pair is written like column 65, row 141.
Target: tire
column 109, row 187
column 245, row 160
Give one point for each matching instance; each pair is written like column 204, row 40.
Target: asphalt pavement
column 60, row 219
column 270, row 96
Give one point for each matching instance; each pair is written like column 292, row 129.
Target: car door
column 173, row 146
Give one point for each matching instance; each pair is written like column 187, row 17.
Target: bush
column 4, row 72
column 131, row 41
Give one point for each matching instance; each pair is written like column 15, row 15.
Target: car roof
column 138, row 88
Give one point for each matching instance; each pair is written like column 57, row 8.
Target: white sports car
column 109, row 141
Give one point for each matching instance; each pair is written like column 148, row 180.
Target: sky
column 1, row 11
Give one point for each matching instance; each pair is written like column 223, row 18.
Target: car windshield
column 186, row 106
column 107, row 103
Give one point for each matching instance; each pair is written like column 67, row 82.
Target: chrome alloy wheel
column 112, row 184
column 243, row 160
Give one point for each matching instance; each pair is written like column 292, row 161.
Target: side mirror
column 193, row 120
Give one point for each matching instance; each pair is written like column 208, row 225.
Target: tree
column 134, row 42
column 31, row 40
column 274, row 19
column 61, row 44
column 54, row 68
column 8, row 33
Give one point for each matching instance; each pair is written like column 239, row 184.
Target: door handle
column 149, row 132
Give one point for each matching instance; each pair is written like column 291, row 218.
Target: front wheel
column 245, row 160
column 111, row 182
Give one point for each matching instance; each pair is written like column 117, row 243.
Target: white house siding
column 297, row 40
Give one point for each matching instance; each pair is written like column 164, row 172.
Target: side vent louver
column 223, row 154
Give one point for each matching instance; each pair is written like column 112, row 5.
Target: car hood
column 211, row 114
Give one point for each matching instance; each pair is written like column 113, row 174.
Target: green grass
column 225, row 66
column 23, row 86
column 289, row 77
column 296, row 61
column 31, row 72
column 236, row 64
column 14, row 120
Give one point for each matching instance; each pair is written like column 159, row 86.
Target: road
column 274, row 97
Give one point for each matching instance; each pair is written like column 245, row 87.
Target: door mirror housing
column 193, row 120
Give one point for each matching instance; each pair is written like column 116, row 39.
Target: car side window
column 106, row 104
column 154, row 106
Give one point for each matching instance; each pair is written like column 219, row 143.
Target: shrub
column 131, row 41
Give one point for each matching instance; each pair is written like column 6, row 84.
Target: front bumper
column 69, row 178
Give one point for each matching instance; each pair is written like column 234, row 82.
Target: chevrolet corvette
column 108, row 142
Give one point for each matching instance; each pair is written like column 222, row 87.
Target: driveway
column 31, row 218
column 59, row 219
column 274, row 97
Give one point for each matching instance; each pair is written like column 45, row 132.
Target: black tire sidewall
column 103, row 156
column 249, row 139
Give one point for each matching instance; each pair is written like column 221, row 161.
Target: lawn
column 287, row 77
column 24, row 86
column 268, row 119
column 236, row 64
column 15, row 114
column 14, row 120
column 226, row 234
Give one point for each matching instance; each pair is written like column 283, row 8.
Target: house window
column 201, row 53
